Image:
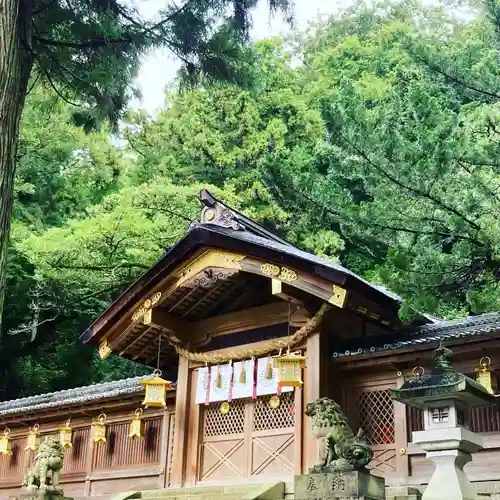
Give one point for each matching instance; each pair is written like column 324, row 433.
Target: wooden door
column 252, row 441
column 370, row 407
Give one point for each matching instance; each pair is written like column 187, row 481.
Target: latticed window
column 440, row 415
column 283, row 417
column 376, row 415
column 217, row 424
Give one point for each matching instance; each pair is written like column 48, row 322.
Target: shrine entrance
column 252, row 440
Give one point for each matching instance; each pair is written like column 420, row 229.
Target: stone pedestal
column 359, row 485
column 48, row 495
column 450, row 450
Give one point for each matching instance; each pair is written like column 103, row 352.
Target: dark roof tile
column 426, row 334
column 75, row 396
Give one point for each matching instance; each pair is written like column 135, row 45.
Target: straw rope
column 271, row 346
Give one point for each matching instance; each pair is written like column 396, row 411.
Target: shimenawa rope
column 271, row 346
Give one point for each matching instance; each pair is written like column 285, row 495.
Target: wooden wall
column 120, row 464
column 389, row 426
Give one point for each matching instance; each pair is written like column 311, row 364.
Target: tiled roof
column 427, row 334
column 73, row 396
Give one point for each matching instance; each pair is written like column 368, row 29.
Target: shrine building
column 247, row 329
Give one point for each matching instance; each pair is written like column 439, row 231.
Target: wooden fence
column 120, row 464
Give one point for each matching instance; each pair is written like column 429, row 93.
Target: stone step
column 402, row 493
column 268, row 491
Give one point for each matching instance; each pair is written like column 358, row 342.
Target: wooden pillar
column 312, row 391
column 401, row 437
column 192, row 441
column 89, row 466
column 319, row 377
column 165, row 443
column 182, row 394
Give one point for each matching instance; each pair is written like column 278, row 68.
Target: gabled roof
column 223, row 228
column 454, row 330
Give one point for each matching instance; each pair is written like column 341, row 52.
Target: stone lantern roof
column 443, row 383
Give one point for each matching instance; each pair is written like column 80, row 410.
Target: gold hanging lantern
column 289, row 369
column 99, row 429
column 156, row 390
column 6, row 443
column 136, row 425
column 65, row 435
column 483, row 374
column 32, row 438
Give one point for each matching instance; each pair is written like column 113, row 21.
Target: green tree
column 408, row 170
column 89, row 50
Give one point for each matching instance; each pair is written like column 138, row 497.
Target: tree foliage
column 372, row 139
column 88, row 51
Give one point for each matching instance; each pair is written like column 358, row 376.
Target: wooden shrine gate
column 252, row 440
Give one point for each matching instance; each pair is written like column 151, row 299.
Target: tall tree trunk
column 15, row 67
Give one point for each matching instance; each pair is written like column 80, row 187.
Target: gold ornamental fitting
column 485, row 362
column 274, row 402
column 224, row 408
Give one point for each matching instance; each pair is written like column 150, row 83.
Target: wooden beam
column 179, row 330
column 248, row 319
column 168, row 322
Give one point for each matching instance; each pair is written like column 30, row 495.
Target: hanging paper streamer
column 219, row 383
column 268, row 374
column 231, row 382
column 266, row 386
column 242, row 379
column 242, row 388
column 218, row 378
column 206, row 390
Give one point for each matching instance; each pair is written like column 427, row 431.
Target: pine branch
column 88, row 44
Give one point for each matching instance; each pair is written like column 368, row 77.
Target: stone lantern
column 446, row 398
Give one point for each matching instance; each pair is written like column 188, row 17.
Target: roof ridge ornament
column 217, row 213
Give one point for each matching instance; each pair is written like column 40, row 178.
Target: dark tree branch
column 410, row 189
column 452, row 78
column 88, row 44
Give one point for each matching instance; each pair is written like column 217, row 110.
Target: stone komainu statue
column 339, row 449
column 45, row 473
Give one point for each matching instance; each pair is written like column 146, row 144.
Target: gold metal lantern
column 289, row 368
column 484, row 375
column 99, row 429
column 156, row 390
column 136, row 430
column 6, row 443
column 66, row 434
column 32, row 438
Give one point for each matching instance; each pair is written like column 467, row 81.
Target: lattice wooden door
column 273, row 437
column 372, row 409
column 251, row 440
column 223, row 454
